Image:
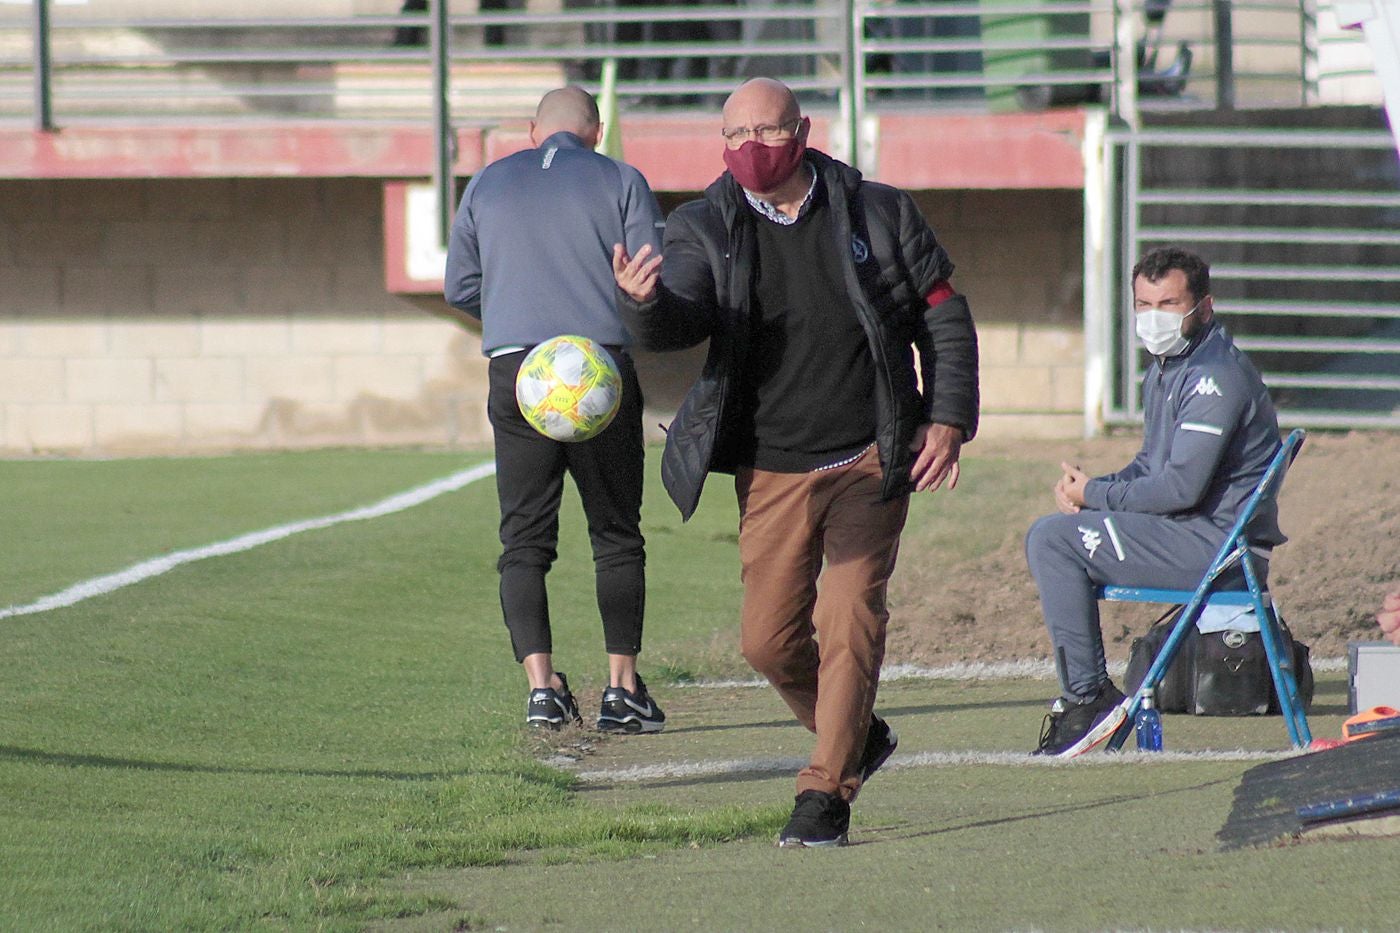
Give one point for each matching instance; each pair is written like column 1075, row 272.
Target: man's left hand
column 938, row 446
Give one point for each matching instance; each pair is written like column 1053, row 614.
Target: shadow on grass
column 70, row 760
column 1339, row 689
column 887, row 711
column 891, row 833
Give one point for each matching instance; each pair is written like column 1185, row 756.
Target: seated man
column 1209, row 434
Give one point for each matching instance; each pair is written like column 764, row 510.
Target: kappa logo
column 1091, row 538
column 859, row 250
column 1207, row 386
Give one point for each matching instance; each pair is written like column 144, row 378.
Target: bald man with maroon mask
column 813, row 287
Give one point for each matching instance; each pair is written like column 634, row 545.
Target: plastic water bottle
column 1148, row 725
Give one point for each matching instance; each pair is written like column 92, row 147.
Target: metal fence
column 1303, row 229
column 87, row 63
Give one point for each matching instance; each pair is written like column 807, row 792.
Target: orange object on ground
column 1371, row 722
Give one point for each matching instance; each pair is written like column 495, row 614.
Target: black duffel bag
column 1216, row 674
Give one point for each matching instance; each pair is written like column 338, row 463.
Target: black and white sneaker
column 819, row 820
column 880, row 743
column 1071, row 729
column 624, row 710
column 551, row 709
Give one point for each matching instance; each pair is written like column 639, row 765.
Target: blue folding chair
column 1235, row 550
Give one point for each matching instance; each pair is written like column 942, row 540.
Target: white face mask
column 1160, row 331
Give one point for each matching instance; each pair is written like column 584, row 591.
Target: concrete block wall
column 164, row 316
column 185, row 316
column 1019, row 260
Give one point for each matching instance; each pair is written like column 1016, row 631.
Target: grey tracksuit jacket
column 577, row 202
column 1209, row 433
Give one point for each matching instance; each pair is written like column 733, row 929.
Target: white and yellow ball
column 568, row 388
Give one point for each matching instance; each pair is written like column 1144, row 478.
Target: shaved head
column 566, row 109
column 761, row 100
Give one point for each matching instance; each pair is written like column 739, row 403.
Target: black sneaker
column 1071, row 729
column 550, row 709
column 624, row 710
column 819, row 819
column 880, row 743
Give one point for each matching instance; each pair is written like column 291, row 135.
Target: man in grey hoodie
column 1209, row 433
column 530, row 255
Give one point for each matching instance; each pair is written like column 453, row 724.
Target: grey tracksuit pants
column 1069, row 555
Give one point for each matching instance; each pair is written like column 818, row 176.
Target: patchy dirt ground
column 1340, row 508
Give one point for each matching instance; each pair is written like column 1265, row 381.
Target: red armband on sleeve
column 940, row 293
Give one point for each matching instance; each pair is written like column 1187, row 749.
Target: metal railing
column 76, row 64
column 1003, row 54
column 379, row 67
column 1303, row 229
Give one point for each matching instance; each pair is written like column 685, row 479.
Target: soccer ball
column 568, row 388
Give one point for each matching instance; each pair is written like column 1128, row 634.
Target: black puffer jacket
column 892, row 261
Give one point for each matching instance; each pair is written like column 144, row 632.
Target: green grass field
column 324, row 732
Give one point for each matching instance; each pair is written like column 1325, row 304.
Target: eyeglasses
column 766, row 133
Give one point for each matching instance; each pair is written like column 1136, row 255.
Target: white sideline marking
column 1126, row 756
column 1026, row 668
column 1030, row 669
column 99, row 586
column 1023, row 669
column 637, row 774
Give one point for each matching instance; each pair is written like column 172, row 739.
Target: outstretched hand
column 938, row 447
column 636, row 275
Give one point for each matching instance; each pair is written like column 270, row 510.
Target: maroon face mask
column 761, row 168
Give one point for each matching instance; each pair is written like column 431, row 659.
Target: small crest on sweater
column 859, row 249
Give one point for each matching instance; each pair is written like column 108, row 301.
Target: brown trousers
column 821, row 645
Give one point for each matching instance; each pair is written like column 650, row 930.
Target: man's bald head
column 566, row 110
column 761, row 100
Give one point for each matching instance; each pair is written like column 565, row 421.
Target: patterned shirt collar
column 775, row 215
